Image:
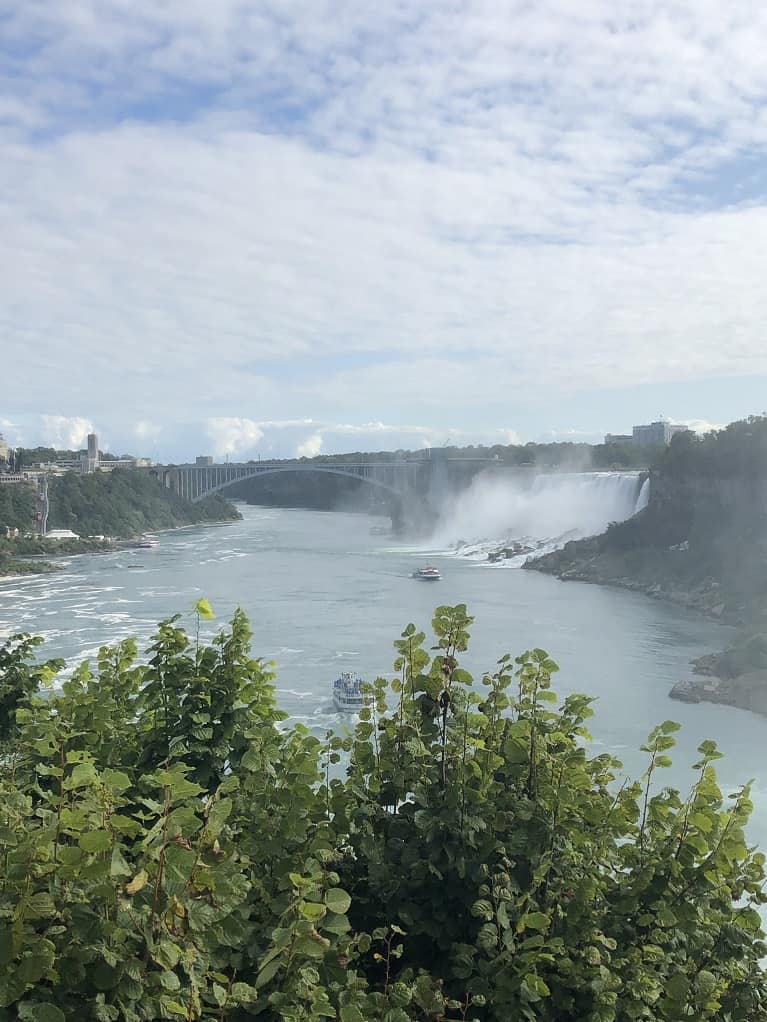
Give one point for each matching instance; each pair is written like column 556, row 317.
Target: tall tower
column 91, row 460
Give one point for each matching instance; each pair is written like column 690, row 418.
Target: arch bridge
column 195, row 482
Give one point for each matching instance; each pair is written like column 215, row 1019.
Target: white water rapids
column 541, row 511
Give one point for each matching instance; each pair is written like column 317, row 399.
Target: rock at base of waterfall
column 685, row 692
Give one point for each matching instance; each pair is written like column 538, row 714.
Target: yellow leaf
column 204, row 609
column 137, row 883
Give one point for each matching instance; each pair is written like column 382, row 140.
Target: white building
column 656, row 433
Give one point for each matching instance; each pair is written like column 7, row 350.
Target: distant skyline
column 279, row 229
column 244, row 438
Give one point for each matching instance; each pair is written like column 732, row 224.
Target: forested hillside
column 17, row 507
column 126, row 503
column 171, row 848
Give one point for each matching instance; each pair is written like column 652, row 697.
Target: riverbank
column 29, row 555
column 10, row 570
column 121, row 505
column 657, row 574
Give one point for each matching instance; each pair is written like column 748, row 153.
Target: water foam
column 540, row 512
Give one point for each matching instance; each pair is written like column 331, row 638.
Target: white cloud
column 66, row 432
column 233, row 435
column 10, row 432
column 701, row 426
column 146, row 430
column 406, row 212
column 310, row 447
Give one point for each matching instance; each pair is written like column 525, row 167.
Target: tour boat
column 427, row 574
column 348, row 696
column 146, row 542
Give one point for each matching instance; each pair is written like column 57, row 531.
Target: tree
column 171, row 848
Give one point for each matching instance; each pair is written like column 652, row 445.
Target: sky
column 268, row 228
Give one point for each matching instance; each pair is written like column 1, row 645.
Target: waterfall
column 545, row 508
column 644, row 496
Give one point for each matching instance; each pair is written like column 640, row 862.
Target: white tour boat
column 348, row 696
column 427, row 574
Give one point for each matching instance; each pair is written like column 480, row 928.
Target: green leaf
column 338, row 924
column 482, row 909
column 44, row 1011
column 173, row 1007
column 533, row 921
column 95, row 841
column 32, row 968
column 269, row 971
column 677, row 987
column 83, row 774
column 119, row 867
column 243, row 993
column 349, row 1013
column 534, row 988
column 311, row 910
column 337, row 901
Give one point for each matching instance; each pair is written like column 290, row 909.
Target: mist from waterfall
column 545, row 508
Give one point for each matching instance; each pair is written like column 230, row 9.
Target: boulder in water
column 685, row 692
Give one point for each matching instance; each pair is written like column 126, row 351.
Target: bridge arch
column 195, row 482
column 324, row 470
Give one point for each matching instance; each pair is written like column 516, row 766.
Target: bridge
column 398, row 477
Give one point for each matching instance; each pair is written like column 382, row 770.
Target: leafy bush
column 171, row 848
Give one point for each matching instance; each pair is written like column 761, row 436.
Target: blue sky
column 244, row 228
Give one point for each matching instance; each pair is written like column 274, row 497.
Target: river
column 324, row 594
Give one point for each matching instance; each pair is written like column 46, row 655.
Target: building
column 203, row 460
column 111, row 464
column 656, row 433
column 3, row 448
column 651, row 435
column 89, row 460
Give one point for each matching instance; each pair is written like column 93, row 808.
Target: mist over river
column 324, row 595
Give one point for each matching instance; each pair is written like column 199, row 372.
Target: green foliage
column 738, row 450
column 125, row 503
column 17, row 506
column 171, row 848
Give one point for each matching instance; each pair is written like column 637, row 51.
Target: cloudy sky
column 280, row 226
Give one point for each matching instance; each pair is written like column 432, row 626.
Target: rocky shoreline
column 710, row 681
column 747, row 691
column 706, row 597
